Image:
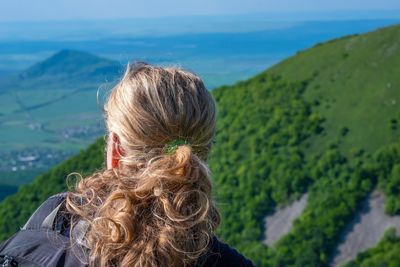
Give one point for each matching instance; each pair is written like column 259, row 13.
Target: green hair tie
column 173, row 145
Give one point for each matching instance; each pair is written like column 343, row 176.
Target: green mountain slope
column 357, row 81
column 285, row 132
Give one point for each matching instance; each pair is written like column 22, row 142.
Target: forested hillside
column 324, row 122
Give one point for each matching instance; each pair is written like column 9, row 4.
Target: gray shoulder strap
column 49, row 220
column 32, row 217
column 45, row 212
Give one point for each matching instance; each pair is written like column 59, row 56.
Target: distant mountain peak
column 70, row 54
column 70, row 63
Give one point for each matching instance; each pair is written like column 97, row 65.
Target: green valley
column 49, row 111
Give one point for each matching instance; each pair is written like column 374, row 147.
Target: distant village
column 31, row 159
column 39, row 158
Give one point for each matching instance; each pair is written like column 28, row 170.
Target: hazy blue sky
column 27, row 10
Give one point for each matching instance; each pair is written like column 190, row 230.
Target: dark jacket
column 222, row 255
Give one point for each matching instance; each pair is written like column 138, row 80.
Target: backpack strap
column 45, row 215
column 48, row 222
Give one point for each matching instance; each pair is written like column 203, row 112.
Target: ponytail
column 164, row 218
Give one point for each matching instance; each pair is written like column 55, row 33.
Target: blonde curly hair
column 155, row 208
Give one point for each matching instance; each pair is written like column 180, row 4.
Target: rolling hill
column 324, row 122
column 67, row 69
column 49, row 112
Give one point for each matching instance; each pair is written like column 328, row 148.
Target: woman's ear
column 114, row 151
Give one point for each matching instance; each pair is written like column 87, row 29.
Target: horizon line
column 343, row 14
